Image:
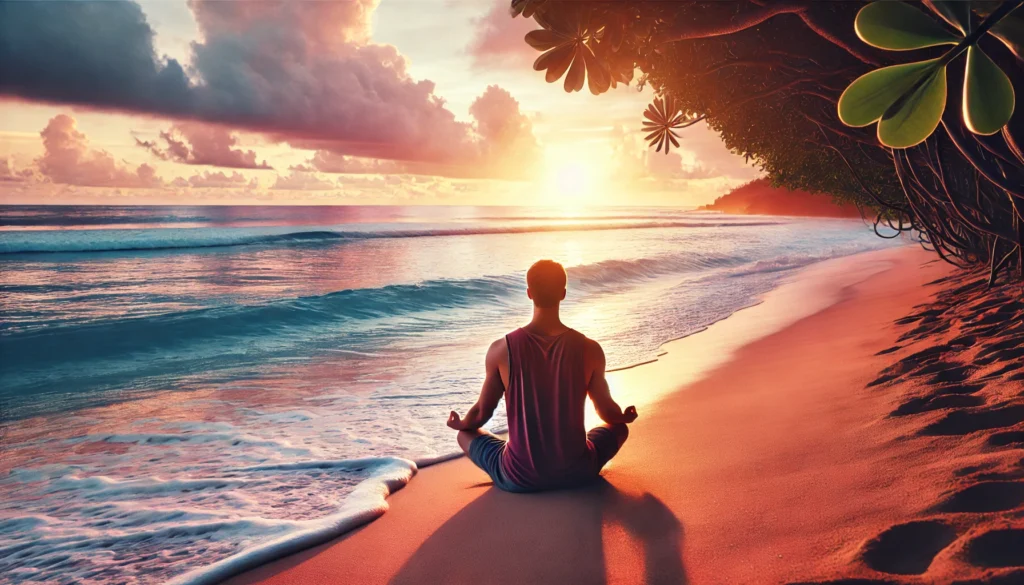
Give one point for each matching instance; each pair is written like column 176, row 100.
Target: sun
column 574, row 181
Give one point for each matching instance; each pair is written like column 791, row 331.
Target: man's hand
column 628, row 415
column 456, row 422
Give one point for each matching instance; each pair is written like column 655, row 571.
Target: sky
column 371, row 102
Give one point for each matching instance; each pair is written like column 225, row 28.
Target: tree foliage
column 768, row 76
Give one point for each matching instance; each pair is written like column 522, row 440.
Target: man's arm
column 606, row 407
column 493, row 389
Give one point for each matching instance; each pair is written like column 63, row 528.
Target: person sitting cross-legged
column 545, row 370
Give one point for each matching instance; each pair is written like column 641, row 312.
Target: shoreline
column 196, row 447
column 383, row 489
column 642, row 480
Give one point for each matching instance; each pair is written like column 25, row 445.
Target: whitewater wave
column 121, row 240
column 366, row 503
column 38, row 549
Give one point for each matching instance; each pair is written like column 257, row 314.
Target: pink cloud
column 303, row 73
column 194, row 143
column 67, row 159
column 499, row 38
column 9, row 175
column 332, row 25
column 309, row 77
column 505, row 146
column 326, row 161
column 215, row 180
column 301, row 181
column 504, row 129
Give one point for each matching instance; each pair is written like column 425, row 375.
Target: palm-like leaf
column 663, row 118
column 569, row 50
column 525, row 7
column 907, row 100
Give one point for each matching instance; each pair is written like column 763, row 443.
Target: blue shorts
column 485, row 451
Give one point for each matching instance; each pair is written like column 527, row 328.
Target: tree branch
column 709, row 27
column 812, row 23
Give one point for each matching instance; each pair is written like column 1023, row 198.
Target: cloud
column 67, row 159
column 499, row 38
column 9, row 175
column 673, row 166
column 202, row 144
column 632, row 159
column 505, row 130
column 507, row 146
column 216, row 180
column 333, row 25
column 300, row 181
column 298, row 72
column 326, row 161
column 90, row 53
column 370, row 183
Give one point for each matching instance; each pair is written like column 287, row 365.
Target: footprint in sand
column 962, row 422
column 908, row 549
column 997, row 548
column 1006, row 439
column 919, row 405
column 987, row 496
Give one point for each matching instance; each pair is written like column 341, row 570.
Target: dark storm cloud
column 89, row 53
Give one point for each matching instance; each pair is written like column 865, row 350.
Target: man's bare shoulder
column 592, row 347
column 497, row 353
column 593, row 353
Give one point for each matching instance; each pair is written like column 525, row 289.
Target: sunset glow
column 684, row 292
column 575, row 183
column 455, row 114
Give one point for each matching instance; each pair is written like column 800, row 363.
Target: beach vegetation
column 903, row 109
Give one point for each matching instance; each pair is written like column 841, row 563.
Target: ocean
column 188, row 390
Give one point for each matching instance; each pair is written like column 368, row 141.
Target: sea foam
column 364, row 504
column 127, row 522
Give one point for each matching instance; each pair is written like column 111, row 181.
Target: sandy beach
column 874, row 433
column 270, row 268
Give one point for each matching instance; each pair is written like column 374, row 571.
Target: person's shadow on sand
column 554, row 537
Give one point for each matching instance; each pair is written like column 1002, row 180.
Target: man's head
column 545, row 283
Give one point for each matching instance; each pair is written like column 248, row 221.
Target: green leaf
column 956, row 12
column 870, row 95
column 900, row 27
column 988, row 94
column 1010, row 30
column 916, row 115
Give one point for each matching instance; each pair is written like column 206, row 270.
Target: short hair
column 546, row 281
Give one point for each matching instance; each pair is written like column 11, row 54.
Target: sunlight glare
column 574, row 179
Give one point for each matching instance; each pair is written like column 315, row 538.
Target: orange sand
column 780, row 464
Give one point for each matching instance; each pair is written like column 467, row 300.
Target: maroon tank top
column 545, row 399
